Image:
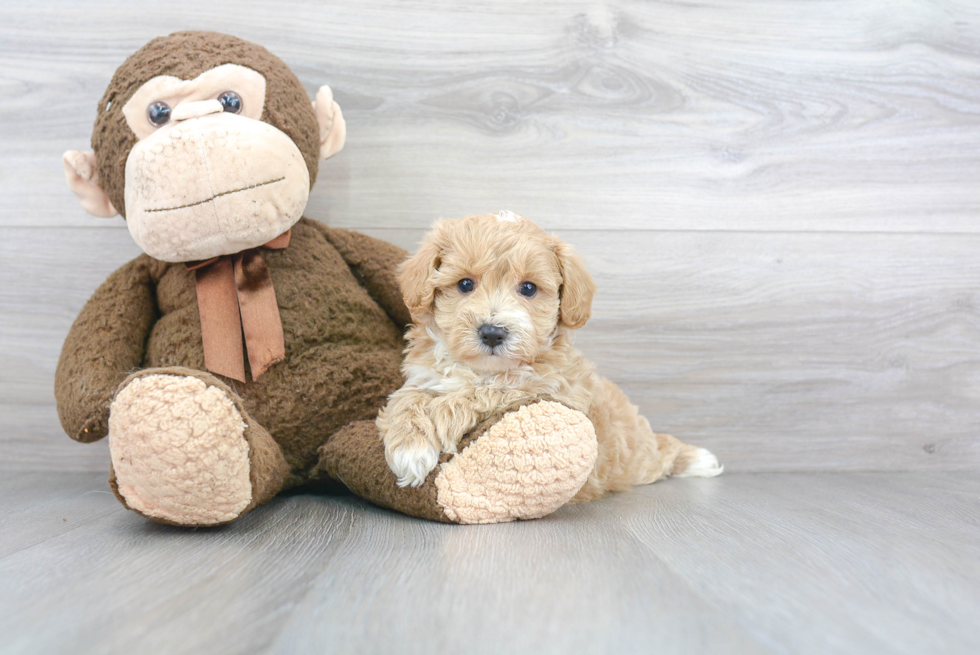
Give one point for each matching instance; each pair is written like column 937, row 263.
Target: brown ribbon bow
column 235, row 295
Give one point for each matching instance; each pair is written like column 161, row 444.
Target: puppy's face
column 496, row 288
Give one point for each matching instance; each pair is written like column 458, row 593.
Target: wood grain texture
column 718, row 115
column 778, row 351
column 778, row 201
column 756, row 563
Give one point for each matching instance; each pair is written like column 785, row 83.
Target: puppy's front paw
column 411, row 446
column 412, row 464
column 452, row 417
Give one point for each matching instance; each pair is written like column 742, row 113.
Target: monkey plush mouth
column 218, row 195
column 215, row 199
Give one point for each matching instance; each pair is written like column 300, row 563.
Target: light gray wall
column 779, row 200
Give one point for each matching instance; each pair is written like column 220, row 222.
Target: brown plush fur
column 343, row 347
column 342, row 317
column 186, row 55
column 356, row 457
column 341, row 313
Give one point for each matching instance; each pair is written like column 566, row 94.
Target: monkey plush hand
column 249, row 349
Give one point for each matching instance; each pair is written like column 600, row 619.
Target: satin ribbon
column 235, row 296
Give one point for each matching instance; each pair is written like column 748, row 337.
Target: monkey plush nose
column 187, row 110
column 492, row 335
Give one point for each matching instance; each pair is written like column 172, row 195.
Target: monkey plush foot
column 185, row 452
column 522, row 464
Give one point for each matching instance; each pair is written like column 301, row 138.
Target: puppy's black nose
column 492, row 335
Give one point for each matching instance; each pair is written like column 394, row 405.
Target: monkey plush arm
column 106, row 342
column 375, row 265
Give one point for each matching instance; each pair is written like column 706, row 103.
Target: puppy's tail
column 684, row 460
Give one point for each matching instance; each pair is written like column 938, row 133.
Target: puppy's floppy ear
column 415, row 279
column 577, row 287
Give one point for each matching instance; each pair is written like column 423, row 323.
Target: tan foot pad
column 178, row 449
column 525, row 466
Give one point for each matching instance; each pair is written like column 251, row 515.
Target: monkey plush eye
column 231, row 101
column 528, row 289
column 158, row 113
column 465, row 285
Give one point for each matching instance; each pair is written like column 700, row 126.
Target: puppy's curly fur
column 494, row 299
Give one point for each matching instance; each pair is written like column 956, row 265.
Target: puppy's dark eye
column 528, row 289
column 158, row 113
column 465, row 285
column 231, row 102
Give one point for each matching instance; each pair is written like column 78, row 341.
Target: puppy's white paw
column 412, row 464
column 704, row 466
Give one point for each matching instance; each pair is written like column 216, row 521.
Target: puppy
column 494, row 299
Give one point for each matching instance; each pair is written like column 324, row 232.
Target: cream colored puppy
column 494, row 299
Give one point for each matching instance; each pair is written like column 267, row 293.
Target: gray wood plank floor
column 767, row 563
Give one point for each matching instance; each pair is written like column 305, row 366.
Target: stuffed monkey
column 249, row 349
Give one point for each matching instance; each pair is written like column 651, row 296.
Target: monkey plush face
column 207, row 144
column 207, row 174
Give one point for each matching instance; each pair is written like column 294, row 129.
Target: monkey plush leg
column 185, row 452
column 522, row 464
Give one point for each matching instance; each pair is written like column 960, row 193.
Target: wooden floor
column 780, row 204
column 752, row 563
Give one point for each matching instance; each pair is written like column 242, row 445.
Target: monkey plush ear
column 333, row 129
column 82, row 173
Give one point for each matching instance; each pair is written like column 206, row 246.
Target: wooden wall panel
column 779, row 351
column 837, row 115
column 779, row 201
